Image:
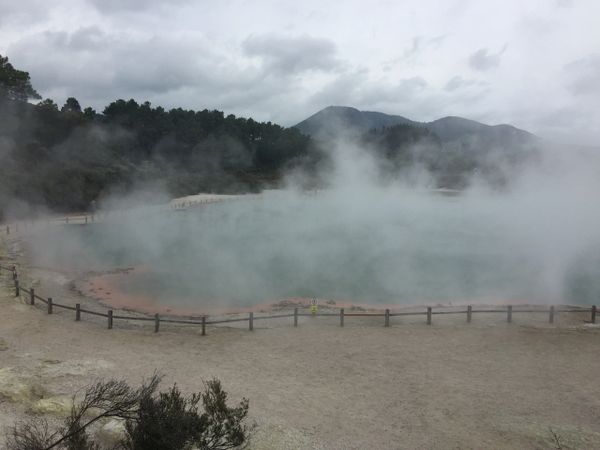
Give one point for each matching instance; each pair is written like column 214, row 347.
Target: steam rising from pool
column 538, row 242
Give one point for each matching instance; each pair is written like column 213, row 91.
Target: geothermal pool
column 395, row 247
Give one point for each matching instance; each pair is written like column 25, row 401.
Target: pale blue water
column 395, row 250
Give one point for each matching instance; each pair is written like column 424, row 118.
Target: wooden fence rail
column 203, row 321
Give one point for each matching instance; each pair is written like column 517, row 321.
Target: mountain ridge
column 333, row 121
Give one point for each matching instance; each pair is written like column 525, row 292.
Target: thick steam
column 362, row 240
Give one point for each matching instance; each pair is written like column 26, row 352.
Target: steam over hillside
column 452, row 149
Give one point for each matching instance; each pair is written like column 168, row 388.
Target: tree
column 172, row 421
column 89, row 113
column 15, row 84
column 48, row 105
column 71, row 106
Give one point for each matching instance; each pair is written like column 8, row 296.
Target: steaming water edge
column 387, row 247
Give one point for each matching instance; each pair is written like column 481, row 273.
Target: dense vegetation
column 63, row 158
column 151, row 420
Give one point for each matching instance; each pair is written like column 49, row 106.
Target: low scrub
column 153, row 420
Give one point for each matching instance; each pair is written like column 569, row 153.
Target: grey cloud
column 97, row 67
column 343, row 90
column 455, row 83
column 437, row 41
column 584, row 76
column 483, row 60
column 564, row 3
column 91, row 64
column 23, row 12
column 357, row 90
column 115, row 6
column 563, row 123
column 412, row 85
column 292, row 54
column 560, row 118
column 460, row 83
column 414, row 48
column 418, row 45
column 88, row 38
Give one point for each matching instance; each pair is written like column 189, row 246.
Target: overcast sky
column 533, row 63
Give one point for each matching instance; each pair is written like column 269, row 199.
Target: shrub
column 153, row 421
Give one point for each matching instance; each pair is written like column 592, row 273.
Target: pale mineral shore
column 488, row 384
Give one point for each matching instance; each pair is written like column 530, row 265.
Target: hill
column 452, row 149
column 333, row 121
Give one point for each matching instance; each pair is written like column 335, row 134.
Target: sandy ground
column 450, row 385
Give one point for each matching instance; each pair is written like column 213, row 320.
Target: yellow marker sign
column 313, row 306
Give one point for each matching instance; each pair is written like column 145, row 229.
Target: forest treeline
column 65, row 157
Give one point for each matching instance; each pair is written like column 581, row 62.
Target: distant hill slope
column 335, row 120
column 451, row 149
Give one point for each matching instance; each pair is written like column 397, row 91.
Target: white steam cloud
column 362, row 240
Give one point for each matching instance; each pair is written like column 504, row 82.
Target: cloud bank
column 282, row 61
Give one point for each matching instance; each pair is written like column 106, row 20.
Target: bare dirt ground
column 488, row 384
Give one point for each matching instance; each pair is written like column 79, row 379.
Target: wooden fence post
column 17, row 290
column 509, row 314
column 49, row 305
column 77, row 312
column 551, row 319
column 469, row 313
column 31, row 296
column 203, row 325
column 7, row 229
column 429, row 315
column 341, row 317
column 110, row 319
column 156, row 322
column 14, row 272
column 251, row 321
column 593, row 313
column 86, row 220
column 387, row 318
column 295, row 317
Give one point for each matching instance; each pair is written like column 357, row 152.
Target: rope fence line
column 203, row 321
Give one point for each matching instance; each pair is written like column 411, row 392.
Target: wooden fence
column 204, row 320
